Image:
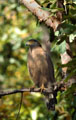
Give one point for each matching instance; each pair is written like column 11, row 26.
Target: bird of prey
column 40, row 68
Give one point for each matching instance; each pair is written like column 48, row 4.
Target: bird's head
column 32, row 43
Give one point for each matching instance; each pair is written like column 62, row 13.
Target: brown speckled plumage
column 40, row 65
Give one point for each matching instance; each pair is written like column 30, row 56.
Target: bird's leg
column 42, row 87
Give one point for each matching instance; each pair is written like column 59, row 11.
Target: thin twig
column 20, row 106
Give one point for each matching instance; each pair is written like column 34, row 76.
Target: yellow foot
column 42, row 88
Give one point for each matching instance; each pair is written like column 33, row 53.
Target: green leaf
column 59, row 48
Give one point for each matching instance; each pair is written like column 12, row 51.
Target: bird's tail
column 50, row 101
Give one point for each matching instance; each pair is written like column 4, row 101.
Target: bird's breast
column 40, row 67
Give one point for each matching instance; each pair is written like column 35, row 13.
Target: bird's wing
column 45, row 66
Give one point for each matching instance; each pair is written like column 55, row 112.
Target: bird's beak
column 27, row 43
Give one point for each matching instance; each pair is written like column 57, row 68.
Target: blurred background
column 17, row 25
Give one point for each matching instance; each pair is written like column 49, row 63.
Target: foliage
column 17, row 25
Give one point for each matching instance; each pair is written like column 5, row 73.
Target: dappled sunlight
column 18, row 25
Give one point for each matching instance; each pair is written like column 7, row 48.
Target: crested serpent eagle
column 40, row 68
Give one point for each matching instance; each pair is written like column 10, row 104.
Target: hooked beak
column 27, row 44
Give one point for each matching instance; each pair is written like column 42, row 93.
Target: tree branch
column 55, row 87
column 9, row 92
column 41, row 14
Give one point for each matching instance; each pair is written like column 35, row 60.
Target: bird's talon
column 42, row 88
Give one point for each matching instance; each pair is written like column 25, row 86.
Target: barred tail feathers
column 50, row 101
